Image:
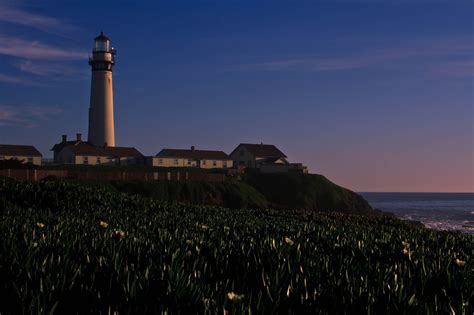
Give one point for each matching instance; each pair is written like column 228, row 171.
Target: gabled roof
column 85, row 148
column 18, row 150
column 194, row 154
column 262, row 150
column 59, row 146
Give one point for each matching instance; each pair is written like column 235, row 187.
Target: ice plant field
column 67, row 248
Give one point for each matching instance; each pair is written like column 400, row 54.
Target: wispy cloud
column 10, row 79
column 376, row 56
column 11, row 13
column 36, row 58
column 54, row 70
column 27, row 116
column 460, row 68
column 33, row 49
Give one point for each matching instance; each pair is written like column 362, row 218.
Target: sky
column 376, row 95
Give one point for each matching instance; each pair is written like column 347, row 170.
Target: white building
column 205, row 159
column 101, row 110
column 23, row 153
column 79, row 152
column 267, row 158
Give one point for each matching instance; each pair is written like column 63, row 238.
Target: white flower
column 119, row 233
column 234, row 297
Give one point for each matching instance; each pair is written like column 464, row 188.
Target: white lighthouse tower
column 101, row 110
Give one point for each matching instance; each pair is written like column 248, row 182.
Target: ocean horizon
column 435, row 210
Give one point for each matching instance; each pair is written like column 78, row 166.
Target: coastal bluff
column 309, row 192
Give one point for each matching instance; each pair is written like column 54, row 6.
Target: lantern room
column 102, row 43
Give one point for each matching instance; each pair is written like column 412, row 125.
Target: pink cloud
column 10, row 79
column 32, row 49
column 10, row 13
column 52, row 70
column 462, row 68
column 371, row 57
column 27, row 116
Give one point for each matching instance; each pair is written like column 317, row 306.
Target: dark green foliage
column 257, row 191
column 307, row 191
column 16, row 164
column 230, row 194
column 151, row 257
column 108, row 168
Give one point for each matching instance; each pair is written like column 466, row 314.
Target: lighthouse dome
column 102, row 37
column 101, row 42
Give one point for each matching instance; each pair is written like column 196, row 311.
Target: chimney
column 78, row 136
column 192, row 148
column 64, row 138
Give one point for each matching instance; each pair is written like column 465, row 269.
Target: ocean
column 441, row 211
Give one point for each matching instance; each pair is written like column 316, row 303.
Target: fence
column 38, row 174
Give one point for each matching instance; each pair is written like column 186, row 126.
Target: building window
column 214, row 163
column 30, row 160
column 176, row 162
column 189, row 162
column 203, row 162
column 86, row 160
column 160, row 161
column 98, row 160
column 224, row 164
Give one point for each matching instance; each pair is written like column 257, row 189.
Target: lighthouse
column 101, row 110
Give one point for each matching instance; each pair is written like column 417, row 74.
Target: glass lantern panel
column 102, row 45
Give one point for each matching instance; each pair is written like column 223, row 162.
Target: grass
column 69, row 247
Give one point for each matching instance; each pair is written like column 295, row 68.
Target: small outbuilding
column 23, row 153
column 267, row 158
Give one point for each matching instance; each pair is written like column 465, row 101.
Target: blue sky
column 377, row 95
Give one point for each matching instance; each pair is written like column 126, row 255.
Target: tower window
column 101, row 45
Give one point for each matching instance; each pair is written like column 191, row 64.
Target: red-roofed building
column 24, row 153
column 80, row 152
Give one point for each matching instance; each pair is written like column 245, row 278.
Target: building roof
column 85, row 148
column 262, row 150
column 18, row 150
column 194, row 154
column 102, row 36
column 59, row 146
